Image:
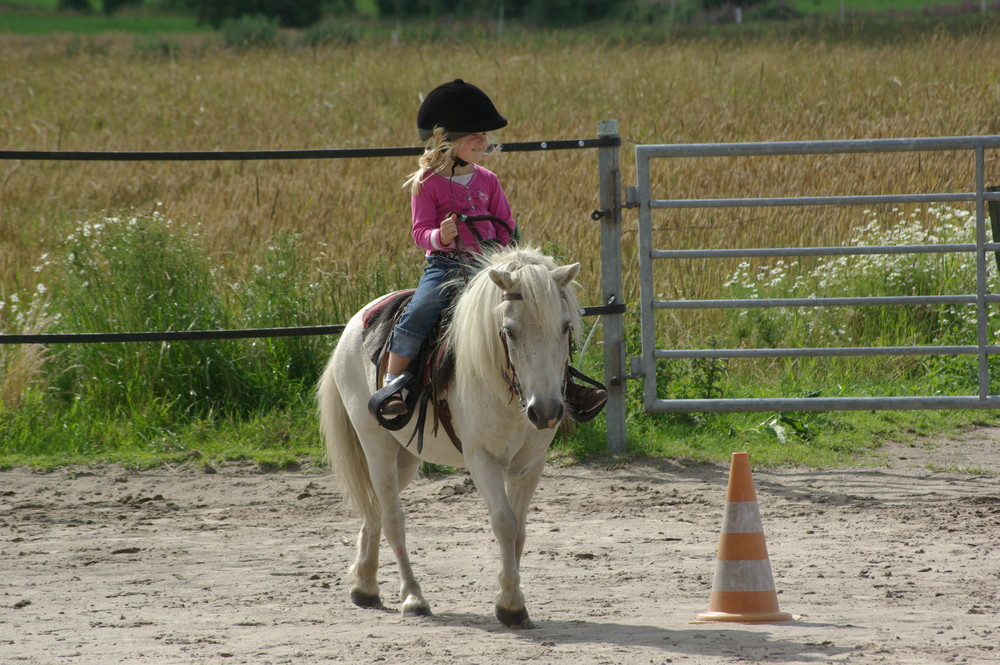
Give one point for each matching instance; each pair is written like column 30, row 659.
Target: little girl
column 454, row 119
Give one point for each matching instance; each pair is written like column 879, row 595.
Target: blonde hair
column 439, row 155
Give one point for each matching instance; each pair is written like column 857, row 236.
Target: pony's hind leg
column 349, row 463
column 389, row 475
column 364, row 571
column 365, row 592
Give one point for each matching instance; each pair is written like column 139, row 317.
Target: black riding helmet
column 459, row 108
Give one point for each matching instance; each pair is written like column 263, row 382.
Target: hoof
column 368, row 601
column 418, row 611
column 517, row 619
column 416, row 608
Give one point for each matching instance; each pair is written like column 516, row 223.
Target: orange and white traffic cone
column 743, row 589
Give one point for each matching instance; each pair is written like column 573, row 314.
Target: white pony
column 510, row 333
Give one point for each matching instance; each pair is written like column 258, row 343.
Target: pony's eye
column 567, row 328
column 507, row 332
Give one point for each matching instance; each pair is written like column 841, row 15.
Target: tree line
column 304, row 13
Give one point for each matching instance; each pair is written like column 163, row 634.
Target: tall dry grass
column 21, row 365
column 365, row 95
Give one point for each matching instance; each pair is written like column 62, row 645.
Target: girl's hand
column 449, row 229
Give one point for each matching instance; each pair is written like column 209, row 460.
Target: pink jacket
column 440, row 196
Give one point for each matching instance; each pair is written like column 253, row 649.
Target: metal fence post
column 610, row 182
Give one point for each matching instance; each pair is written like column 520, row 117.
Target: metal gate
column 642, row 197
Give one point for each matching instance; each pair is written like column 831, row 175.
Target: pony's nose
column 544, row 416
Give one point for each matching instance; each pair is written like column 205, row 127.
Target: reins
column 460, row 254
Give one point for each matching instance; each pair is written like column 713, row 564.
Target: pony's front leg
column 508, row 526
column 522, row 481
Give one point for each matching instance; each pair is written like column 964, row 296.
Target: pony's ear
column 502, row 279
column 565, row 274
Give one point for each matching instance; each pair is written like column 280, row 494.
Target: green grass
column 139, row 24
column 277, row 439
column 40, row 17
column 48, row 5
column 832, row 7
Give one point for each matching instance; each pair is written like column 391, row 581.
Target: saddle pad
column 378, row 320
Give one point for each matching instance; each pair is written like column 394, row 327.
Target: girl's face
column 471, row 148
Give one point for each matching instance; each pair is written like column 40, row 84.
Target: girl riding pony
column 455, row 119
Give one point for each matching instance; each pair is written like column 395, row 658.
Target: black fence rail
column 170, row 335
column 240, row 155
column 248, row 155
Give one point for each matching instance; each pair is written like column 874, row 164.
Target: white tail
column 343, row 449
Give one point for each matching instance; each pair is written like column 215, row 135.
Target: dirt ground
column 898, row 562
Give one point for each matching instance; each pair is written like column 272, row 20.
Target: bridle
column 510, row 372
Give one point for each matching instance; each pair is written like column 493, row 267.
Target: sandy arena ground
column 895, row 563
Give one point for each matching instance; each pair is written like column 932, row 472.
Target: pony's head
column 512, row 326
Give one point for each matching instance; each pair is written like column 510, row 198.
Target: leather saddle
column 426, row 380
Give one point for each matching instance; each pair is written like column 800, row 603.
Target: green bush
column 561, row 13
column 868, row 275
column 138, row 273
column 542, row 12
column 904, row 274
column 331, row 32
column 129, row 275
column 297, row 14
column 156, row 47
column 109, row 7
column 82, row 6
column 254, row 31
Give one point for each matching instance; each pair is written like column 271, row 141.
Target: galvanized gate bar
column 645, row 365
column 886, row 403
column 824, row 352
column 774, row 202
column 818, row 251
column 855, row 146
column 852, row 301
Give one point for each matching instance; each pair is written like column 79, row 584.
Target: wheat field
column 106, row 96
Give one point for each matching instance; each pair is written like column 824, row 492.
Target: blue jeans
column 425, row 308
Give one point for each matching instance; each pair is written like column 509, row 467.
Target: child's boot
column 387, row 405
column 394, row 406
column 583, row 403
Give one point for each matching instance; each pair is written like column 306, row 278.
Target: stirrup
column 380, row 397
column 583, row 403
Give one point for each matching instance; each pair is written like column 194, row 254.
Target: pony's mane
column 476, row 318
